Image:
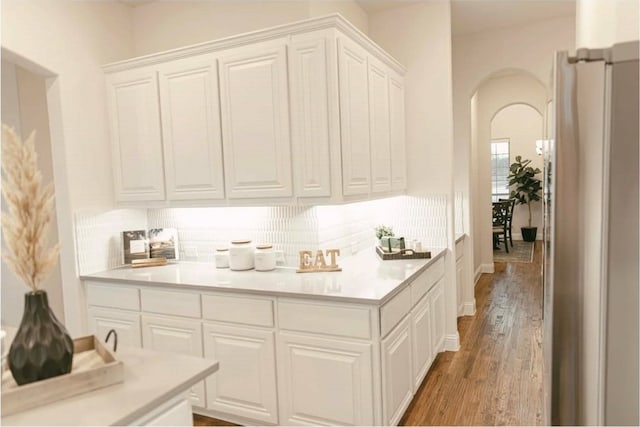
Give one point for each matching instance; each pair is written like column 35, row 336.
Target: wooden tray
column 94, row 367
column 403, row 254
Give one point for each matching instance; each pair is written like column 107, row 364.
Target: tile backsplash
column 349, row 227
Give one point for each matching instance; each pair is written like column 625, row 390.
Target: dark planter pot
column 529, row 233
column 42, row 347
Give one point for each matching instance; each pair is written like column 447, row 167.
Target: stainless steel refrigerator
column 590, row 269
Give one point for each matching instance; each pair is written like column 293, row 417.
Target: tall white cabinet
column 303, row 113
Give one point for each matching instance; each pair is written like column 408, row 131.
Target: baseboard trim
column 452, row 342
column 469, row 308
column 482, row 268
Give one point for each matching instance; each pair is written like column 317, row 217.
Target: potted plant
column 383, row 231
column 527, row 190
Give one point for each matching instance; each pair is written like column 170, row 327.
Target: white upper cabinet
column 311, row 112
column 397, row 132
column 354, row 118
column 379, row 126
column 136, row 143
column 310, row 125
column 189, row 105
column 255, row 121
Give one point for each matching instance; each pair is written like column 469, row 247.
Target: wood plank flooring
column 496, row 376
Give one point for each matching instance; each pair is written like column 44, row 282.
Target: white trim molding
column 452, row 342
column 469, row 308
column 482, row 268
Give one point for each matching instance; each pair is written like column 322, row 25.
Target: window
column 499, row 169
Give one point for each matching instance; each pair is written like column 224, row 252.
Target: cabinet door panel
column 437, row 312
column 245, row 385
column 255, row 121
column 421, row 333
column 309, row 367
column 354, row 118
column 134, row 119
column 397, row 375
column 190, row 111
column 176, row 336
column 397, row 133
column 379, row 125
column 126, row 325
column 459, row 281
column 308, row 81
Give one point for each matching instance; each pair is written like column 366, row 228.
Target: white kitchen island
column 154, row 392
column 340, row 348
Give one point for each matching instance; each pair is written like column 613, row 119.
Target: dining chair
column 500, row 220
column 512, row 204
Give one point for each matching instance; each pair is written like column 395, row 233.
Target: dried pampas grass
column 30, row 209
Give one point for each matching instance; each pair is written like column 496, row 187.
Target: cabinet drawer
column 170, row 302
column 426, row 280
column 392, row 312
column 460, row 249
column 125, row 298
column 248, row 311
column 336, row 319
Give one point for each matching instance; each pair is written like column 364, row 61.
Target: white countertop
column 150, row 379
column 364, row 278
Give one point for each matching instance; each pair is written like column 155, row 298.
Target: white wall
column 164, row 25
column 491, row 97
column 68, row 41
column 522, row 125
column 419, row 36
column 26, row 100
column 602, row 23
column 478, row 56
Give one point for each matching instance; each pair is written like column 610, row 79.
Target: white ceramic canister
column 222, row 258
column 241, row 255
column 265, row 258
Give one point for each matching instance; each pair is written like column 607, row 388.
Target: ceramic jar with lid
column 241, row 255
column 265, row 258
column 222, row 258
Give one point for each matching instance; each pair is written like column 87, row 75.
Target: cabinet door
column 310, row 133
column 126, row 325
column 245, row 385
column 436, row 296
column 354, row 118
column 255, row 121
column 421, row 343
column 379, row 126
column 176, row 336
column 397, row 375
column 324, row 381
column 459, row 281
column 397, row 132
column 134, row 119
column 189, row 105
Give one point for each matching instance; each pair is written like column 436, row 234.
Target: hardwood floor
column 496, row 376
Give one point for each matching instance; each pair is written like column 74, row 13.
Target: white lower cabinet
column 324, row 381
column 436, row 296
column 421, row 320
column 397, row 373
column 459, row 281
column 182, row 336
column 126, row 324
column 245, row 385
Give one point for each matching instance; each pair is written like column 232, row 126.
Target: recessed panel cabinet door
column 310, row 127
column 459, row 282
column 126, row 325
column 436, row 295
column 180, row 336
column 421, row 333
column 379, row 126
column 189, row 105
column 397, row 375
column 255, row 121
column 134, row 119
column 354, row 118
column 324, row 381
column 245, row 385
column 397, row 133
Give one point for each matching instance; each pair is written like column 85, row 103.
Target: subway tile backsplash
column 349, row 227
